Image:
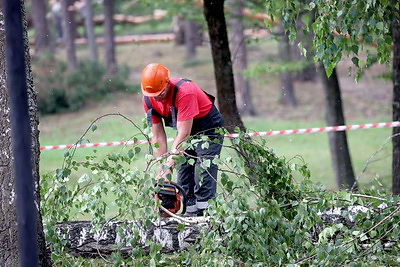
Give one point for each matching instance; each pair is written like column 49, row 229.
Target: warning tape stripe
column 269, row 133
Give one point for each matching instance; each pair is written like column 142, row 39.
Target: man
column 181, row 104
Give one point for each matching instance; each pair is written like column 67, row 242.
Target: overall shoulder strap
column 176, row 87
column 173, row 108
column 151, row 111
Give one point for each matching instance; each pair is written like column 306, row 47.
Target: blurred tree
column 68, row 23
column 215, row 17
column 42, row 36
column 109, row 45
column 288, row 97
column 239, row 59
column 89, row 26
column 8, row 234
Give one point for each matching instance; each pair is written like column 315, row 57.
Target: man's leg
column 186, row 180
column 206, row 178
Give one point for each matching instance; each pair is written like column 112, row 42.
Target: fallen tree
column 173, row 234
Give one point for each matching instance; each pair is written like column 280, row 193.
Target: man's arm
column 184, row 129
column 159, row 137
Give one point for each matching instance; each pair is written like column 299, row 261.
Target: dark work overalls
column 199, row 184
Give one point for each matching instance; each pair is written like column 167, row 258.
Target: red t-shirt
column 190, row 102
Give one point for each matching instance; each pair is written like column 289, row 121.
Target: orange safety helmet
column 154, row 79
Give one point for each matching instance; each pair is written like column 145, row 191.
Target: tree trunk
column 239, row 48
column 81, row 240
column 89, row 26
column 287, row 90
column 42, row 40
column 309, row 71
column 8, row 234
column 396, row 104
column 69, row 33
column 177, row 22
column 44, row 255
column 190, row 33
column 109, row 46
column 340, row 155
column 215, row 17
column 8, row 217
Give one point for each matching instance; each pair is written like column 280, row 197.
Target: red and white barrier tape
column 296, row 131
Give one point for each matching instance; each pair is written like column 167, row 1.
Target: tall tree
column 193, row 37
column 239, row 48
column 109, row 45
column 345, row 28
column 8, row 234
column 89, row 26
column 287, row 89
column 8, row 218
column 68, row 23
column 42, row 37
column 396, row 100
column 340, row 155
column 215, row 17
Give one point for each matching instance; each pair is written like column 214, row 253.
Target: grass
column 368, row 99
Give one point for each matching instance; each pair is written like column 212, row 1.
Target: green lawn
column 312, row 147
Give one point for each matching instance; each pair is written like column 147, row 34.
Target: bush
column 60, row 89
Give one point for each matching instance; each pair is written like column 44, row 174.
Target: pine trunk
column 340, row 155
column 69, row 33
column 396, row 104
column 215, row 17
column 89, row 26
column 287, row 89
column 109, row 46
column 42, row 39
column 239, row 48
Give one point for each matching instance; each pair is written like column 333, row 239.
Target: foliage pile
column 263, row 216
column 61, row 90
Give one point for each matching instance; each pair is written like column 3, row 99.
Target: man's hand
column 164, row 173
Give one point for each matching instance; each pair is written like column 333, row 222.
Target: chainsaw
column 172, row 197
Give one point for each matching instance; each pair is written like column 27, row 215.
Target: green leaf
column 355, row 61
column 94, row 127
column 205, row 145
column 180, row 227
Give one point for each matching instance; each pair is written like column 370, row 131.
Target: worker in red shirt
column 183, row 105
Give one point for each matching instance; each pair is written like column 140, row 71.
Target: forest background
column 367, row 101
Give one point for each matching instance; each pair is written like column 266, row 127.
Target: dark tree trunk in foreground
column 8, row 232
column 340, row 155
column 8, row 217
column 239, row 50
column 42, row 38
column 109, row 46
column 396, row 104
column 287, row 89
column 69, row 33
column 215, row 17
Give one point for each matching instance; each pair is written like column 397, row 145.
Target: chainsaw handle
column 183, row 194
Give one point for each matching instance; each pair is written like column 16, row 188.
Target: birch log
column 82, row 240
